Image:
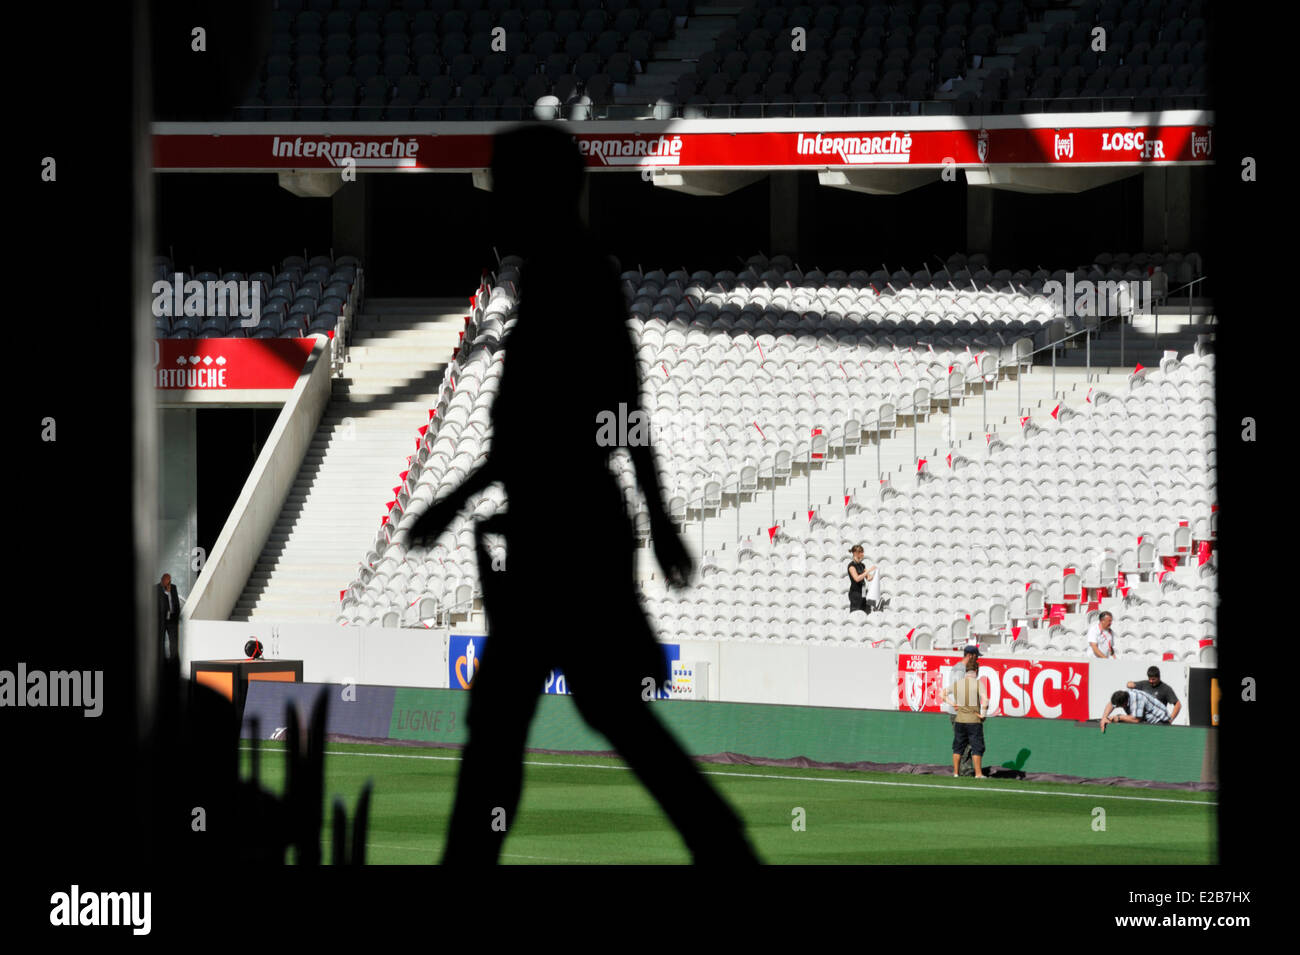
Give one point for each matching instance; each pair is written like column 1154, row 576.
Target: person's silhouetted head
column 537, row 179
column 166, row 581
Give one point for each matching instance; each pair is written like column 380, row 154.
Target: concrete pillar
column 584, row 201
column 350, row 211
column 785, row 213
column 1153, row 209
column 1178, row 203
column 177, row 508
column 1167, row 209
column 979, row 219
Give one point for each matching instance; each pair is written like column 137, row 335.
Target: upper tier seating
column 303, row 297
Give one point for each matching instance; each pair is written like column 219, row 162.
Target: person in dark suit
column 548, row 453
column 169, row 617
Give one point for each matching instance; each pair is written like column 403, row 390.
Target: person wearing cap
column 1160, row 690
column 956, row 674
column 971, row 701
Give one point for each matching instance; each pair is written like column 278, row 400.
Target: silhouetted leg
column 501, row 706
column 612, row 703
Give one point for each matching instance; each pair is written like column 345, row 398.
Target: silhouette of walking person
column 569, row 358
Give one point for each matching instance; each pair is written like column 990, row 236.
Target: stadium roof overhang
column 882, row 155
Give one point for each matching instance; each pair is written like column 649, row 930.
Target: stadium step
column 399, row 351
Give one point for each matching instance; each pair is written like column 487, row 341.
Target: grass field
column 585, row 810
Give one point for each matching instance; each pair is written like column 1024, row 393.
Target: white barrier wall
column 1107, row 676
column 848, row 677
column 797, row 675
column 245, row 533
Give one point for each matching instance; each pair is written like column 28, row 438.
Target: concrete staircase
column 329, row 521
column 677, row 55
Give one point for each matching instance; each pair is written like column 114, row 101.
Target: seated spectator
column 1135, row 707
column 1160, row 690
column 1101, row 639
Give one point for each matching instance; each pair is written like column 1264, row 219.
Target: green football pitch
column 591, row 810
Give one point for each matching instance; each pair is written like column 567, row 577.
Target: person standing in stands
column 169, row 616
column 971, row 702
column 548, row 452
column 1101, row 639
column 858, row 576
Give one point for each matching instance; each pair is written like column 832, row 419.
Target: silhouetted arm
column 670, row 551
column 441, row 513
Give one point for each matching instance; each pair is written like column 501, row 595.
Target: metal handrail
column 865, row 425
column 443, row 611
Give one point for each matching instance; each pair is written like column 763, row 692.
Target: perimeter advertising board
column 1046, row 689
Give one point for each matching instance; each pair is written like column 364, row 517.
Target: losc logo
column 1063, row 146
column 1032, row 688
column 982, row 145
column 1122, row 142
column 914, row 690
column 1047, row 693
column 1201, row 145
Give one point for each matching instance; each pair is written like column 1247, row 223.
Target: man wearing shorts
column 971, row 702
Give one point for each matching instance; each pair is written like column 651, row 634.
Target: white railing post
column 704, row 495
column 1053, row 371
column 1122, row 323
column 1020, row 373
column 808, row 476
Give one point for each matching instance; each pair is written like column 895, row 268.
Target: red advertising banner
column 693, row 144
column 1015, row 687
column 219, row 364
